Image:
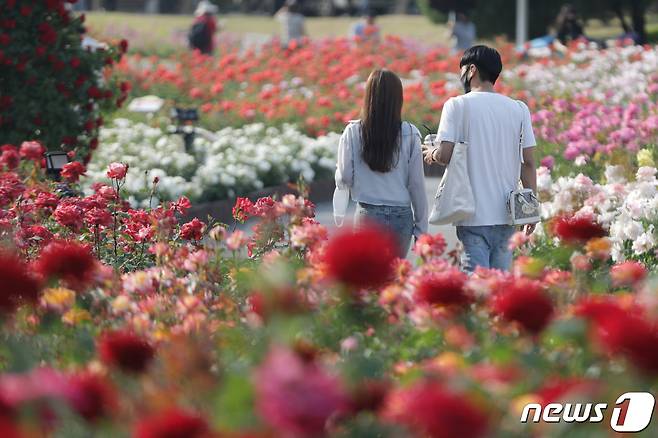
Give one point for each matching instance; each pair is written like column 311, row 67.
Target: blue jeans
column 398, row 220
column 486, row 246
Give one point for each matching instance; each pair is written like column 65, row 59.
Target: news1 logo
column 632, row 412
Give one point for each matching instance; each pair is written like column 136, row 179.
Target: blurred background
column 162, row 25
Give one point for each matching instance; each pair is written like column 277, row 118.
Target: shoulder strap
column 521, row 160
column 466, row 121
column 411, row 139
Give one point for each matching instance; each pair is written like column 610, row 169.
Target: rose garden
column 123, row 316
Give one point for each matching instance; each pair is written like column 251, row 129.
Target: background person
column 202, row 33
column 494, row 127
column 463, row 31
column 292, row 23
column 568, row 26
column 380, row 162
column 366, row 29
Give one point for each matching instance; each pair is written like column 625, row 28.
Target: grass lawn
column 163, row 34
column 148, row 32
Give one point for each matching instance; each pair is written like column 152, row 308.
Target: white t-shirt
column 494, row 157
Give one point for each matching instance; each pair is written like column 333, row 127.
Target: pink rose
column 117, row 171
column 32, row 150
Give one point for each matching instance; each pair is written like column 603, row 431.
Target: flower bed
column 120, row 321
column 629, row 209
column 240, row 161
column 590, row 107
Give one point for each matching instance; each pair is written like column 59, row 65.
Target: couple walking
column 380, row 159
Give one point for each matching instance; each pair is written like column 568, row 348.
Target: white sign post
column 521, row 22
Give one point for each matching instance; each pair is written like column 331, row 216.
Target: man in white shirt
column 491, row 125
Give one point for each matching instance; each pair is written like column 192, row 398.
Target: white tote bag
column 454, row 200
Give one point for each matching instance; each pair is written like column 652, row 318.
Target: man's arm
column 440, row 155
column 528, row 170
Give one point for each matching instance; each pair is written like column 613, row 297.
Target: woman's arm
column 416, row 187
column 344, row 164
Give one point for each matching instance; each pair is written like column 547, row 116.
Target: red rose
column 18, row 285
column 623, row 331
column 126, row 351
column 181, row 205
column 434, row 411
column 25, row 11
column 4, row 39
column 193, row 230
column 577, row 229
column 123, row 46
column 69, row 214
column 9, row 157
column 295, row 395
column 80, row 81
column 38, row 233
column 47, row 201
column 32, row 150
column 628, row 274
column 47, row 35
column 117, row 171
column 98, row 217
column 69, row 261
column 172, row 423
column 92, row 397
column 361, row 258
column 633, row 337
column 243, row 209
column 75, row 62
column 94, row 92
column 445, row 288
column 524, row 302
column 72, row 171
column 6, row 102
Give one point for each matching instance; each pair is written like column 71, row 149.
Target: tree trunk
column 152, row 6
column 187, row 6
column 620, row 14
column 638, row 10
column 401, row 6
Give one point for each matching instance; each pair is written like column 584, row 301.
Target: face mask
column 466, row 81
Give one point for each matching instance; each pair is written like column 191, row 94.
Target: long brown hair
column 381, row 117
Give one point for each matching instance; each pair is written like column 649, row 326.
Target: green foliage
column 52, row 89
column 498, row 17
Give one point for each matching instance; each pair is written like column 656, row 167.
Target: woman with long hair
column 380, row 162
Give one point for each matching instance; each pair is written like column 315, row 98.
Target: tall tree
column 497, row 17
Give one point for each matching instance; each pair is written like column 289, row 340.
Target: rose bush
column 627, row 210
column 141, row 326
column 240, row 161
column 53, row 88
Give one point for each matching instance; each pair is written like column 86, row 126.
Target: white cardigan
column 403, row 185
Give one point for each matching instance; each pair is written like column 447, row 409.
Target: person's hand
column 428, row 153
column 529, row 228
